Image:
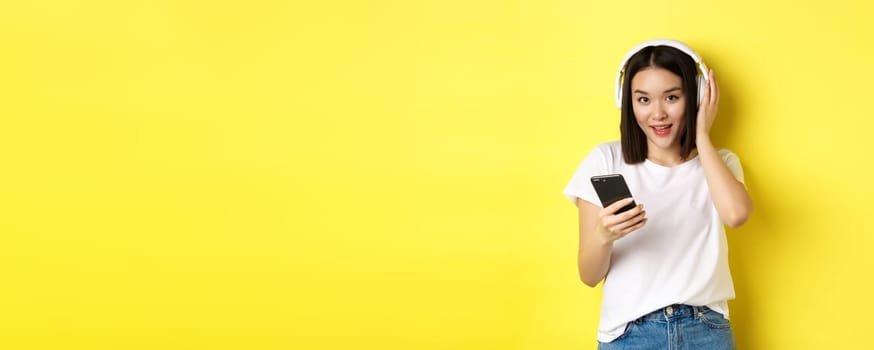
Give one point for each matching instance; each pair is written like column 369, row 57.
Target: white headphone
column 701, row 78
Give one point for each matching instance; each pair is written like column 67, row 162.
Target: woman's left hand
column 708, row 107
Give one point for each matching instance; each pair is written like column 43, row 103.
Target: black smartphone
column 611, row 188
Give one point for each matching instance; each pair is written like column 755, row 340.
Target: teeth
column 661, row 127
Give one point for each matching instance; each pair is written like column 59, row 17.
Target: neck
column 668, row 157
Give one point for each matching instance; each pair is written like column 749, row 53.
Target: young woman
column 665, row 267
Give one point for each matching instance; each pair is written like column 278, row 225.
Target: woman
column 665, row 269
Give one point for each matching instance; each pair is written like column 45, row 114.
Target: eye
column 673, row 97
column 643, row 99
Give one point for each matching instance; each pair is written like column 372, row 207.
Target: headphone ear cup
column 701, row 84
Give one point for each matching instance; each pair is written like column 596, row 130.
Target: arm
column 599, row 228
column 730, row 197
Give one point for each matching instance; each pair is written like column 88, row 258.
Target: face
column 659, row 106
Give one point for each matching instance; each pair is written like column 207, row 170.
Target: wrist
column 604, row 239
column 702, row 139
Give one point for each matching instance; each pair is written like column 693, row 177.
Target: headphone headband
column 702, row 76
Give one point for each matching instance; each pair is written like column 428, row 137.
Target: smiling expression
column 659, row 106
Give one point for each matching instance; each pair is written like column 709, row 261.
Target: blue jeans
column 676, row 327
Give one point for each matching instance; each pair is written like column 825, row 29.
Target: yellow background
column 388, row 174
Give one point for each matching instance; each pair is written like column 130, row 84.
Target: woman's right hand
column 612, row 226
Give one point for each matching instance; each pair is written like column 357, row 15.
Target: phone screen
column 611, row 188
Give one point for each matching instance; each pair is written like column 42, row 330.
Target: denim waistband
column 674, row 311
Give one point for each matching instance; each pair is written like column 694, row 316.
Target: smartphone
column 611, row 188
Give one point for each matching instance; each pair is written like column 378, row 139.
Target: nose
column 659, row 113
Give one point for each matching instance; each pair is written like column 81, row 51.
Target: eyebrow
column 638, row 91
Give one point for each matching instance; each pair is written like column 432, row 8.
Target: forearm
column 730, row 197
column 599, row 228
column 594, row 260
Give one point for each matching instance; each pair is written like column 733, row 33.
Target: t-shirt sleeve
column 580, row 185
column 733, row 163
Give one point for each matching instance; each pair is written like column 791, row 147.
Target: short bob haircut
column 634, row 145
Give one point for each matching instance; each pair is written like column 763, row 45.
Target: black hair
column 634, row 146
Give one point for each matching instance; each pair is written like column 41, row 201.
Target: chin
column 666, row 144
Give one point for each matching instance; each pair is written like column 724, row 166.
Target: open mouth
column 662, row 130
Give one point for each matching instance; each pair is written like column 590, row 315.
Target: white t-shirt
column 679, row 257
